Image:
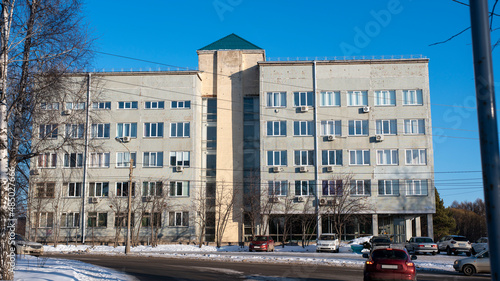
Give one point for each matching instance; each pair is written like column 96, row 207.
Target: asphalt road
column 157, row 268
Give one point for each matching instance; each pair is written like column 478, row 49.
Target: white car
column 454, row 244
column 421, row 245
column 328, row 242
column 480, row 245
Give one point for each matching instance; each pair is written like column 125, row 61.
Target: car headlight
column 264, row 244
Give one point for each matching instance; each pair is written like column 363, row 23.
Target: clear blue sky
column 170, row 32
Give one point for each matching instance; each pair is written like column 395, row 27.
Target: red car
column 262, row 243
column 389, row 264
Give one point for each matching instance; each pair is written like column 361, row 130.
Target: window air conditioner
column 179, row 168
column 329, row 169
column 94, row 200
column 303, row 169
column 379, row 138
column 126, row 139
column 304, row 108
column 67, row 112
column 331, row 137
column 277, row 169
column 300, row 199
column 322, row 202
column 366, row 109
column 34, row 172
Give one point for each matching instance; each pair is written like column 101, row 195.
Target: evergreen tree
column 444, row 223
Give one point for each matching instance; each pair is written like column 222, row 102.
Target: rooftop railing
column 345, row 58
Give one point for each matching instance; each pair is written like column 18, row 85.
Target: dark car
column 389, row 264
column 262, row 243
column 377, row 241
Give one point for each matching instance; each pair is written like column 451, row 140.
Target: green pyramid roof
column 231, row 42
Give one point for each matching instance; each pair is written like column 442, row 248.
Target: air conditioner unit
column 304, row 108
column 277, row 169
column 274, row 200
column 303, row 169
column 179, row 168
column 379, row 138
column 329, row 169
column 322, row 202
column 93, row 200
column 300, row 199
column 366, row 109
column 331, row 138
column 67, row 112
column 126, row 139
column 34, row 172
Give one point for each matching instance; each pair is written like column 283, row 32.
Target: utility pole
column 124, row 140
column 488, row 130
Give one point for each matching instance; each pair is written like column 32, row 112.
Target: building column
column 320, row 226
column 409, row 230
column 375, row 224
column 264, row 225
column 418, row 226
column 430, row 229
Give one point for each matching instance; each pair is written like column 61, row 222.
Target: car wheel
column 337, row 250
column 434, row 253
column 468, row 269
column 448, row 251
column 249, row 250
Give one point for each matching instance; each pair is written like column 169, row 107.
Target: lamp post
column 129, row 209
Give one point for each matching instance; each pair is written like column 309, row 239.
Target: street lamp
column 129, row 209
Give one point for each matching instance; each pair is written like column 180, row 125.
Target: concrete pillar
column 418, row 226
column 375, row 224
column 430, row 229
column 265, row 225
column 409, row 230
column 320, row 225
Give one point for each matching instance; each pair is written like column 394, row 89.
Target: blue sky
column 169, row 33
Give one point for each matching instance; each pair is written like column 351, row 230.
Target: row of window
column 120, row 105
column 353, row 187
column 356, row 157
column 354, row 98
column 100, row 219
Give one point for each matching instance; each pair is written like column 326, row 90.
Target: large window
column 276, row 128
column 48, row 131
column 331, row 128
column 303, row 99
column 179, row 188
column 278, row 188
column 126, row 130
column 332, row 188
column 127, row 105
column 276, row 99
column 303, row 128
column 123, row 159
column 331, row 157
column 386, row 127
column 358, row 127
column 101, row 105
column 153, row 219
column 74, row 189
column 179, row 130
column 96, row 219
column 415, row 126
column 152, row 188
column 359, row 157
column 329, row 99
column 416, row 187
column 70, row 220
column 181, row 104
column 385, row 98
column 49, row 106
column 388, row 187
column 413, row 97
column 416, row 157
column 387, row 157
column 45, row 190
column 75, row 105
column 47, row 160
column 122, row 218
column 75, row 131
column 99, row 189
column 100, row 131
column 305, row 188
column 179, row 158
column 153, row 130
column 357, row 98
column 304, row 157
column 154, row 105
column 99, row 159
column 45, row 220
column 73, row 160
column 277, row 158
column 152, row 159
column 178, row 218
column 122, row 189
column 360, row 187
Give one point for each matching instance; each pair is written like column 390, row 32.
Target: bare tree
column 225, row 198
column 308, row 220
column 202, row 204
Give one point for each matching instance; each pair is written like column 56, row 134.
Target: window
column 75, row 105
column 122, row 189
column 100, row 131
column 155, row 217
column 415, row 126
column 332, row 188
column 99, row 189
column 357, row 98
column 305, row 188
column 386, row 127
column 179, row 130
column 154, row 105
column 126, row 130
column 412, row 97
column 153, row 130
column 45, row 190
column 278, row 188
column 48, row 131
column 70, row 220
column 360, row 187
column 212, row 109
column 387, row 157
column 179, row 188
column 276, row 99
column 97, row 219
column 181, row 104
column 122, row 218
column 47, row 160
column 74, row 189
column 127, row 105
column 276, row 128
column 75, row 131
column 329, row 99
column 277, row 158
column 303, row 99
column 73, row 160
column 178, row 218
column 304, row 157
column 416, row 187
column 385, row 98
column 45, row 220
column 358, row 127
column 359, row 157
column 416, row 157
column 331, row 157
column 101, row 105
column 99, row 160
column 152, row 159
column 303, row 128
column 49, row 106
column 179, row 158
column 123, row 159
column 331, row 128
column 388, row 187
column 152, row 188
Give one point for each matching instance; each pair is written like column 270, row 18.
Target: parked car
column 328, row 242
column 262, row 243
column 480, row 245
column 376, row 241
column 421, row 245
column 24, row 246
column 389, row 264
column 454, row 244
column 479, row 263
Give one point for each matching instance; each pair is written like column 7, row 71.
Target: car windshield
column 327, row 237
column 460, row 239
column 261, row 238
column 389, row 254
column 424, row 240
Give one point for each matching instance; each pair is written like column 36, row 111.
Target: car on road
column 421, row 245
column 454, row 244
column 328, row 242
column 24, row 246
column 479, row 263
column 376, row 241
column 392, row 263
column 480, row 245
column 262, row 243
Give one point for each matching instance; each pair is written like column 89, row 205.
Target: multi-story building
column 242, row 144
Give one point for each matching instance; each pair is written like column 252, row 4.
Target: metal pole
column 316, row 153
column 129, row 216
column 488, row 131
column 85, row 159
